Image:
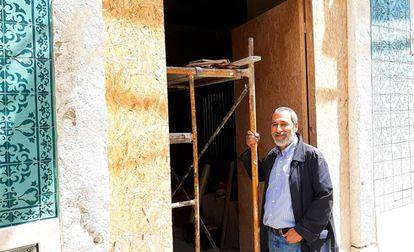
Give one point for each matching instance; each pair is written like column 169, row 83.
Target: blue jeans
column 279, row 244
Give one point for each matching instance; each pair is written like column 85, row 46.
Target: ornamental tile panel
column 27, row 132
column 393, row 103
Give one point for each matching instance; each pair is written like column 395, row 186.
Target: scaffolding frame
column 189, row 78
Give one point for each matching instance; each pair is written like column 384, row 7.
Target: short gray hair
column 292, row 113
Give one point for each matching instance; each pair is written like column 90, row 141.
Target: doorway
column 216, row 30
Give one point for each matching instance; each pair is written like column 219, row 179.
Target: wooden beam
column 180, row 138
column 206, row 72
column 182, row 204
column 246, row 61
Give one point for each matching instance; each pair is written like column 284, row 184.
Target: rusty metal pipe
column 195, row 165
column 203, row 226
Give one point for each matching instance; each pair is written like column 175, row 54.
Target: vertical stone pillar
column 136, row 96
column 363, row 226
column 81, row 125
column 331, row 103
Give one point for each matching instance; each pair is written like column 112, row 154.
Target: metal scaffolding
column 189, row 78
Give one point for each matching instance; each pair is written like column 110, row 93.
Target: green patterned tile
column 4, row 188
column 2, row 73
column 2, row 54
column 48, row 210
column 44, row 110
column 22, row 145
column 42, row 11
column 21, row 189
column 19, row 75
column 25, row 183
column 3, row 151
column 19, row 11
column 3, row 114
column 21, row 110
column 43, row 75
column 6, row 219
column 42, row 41
column 23, row 215
column 46, row 151
column 47, row 181
column 18, row 40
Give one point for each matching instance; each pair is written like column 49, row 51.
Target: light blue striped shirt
column 278, row 205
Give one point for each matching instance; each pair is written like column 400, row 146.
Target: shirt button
column 273, row 201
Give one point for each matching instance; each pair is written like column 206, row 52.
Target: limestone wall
column 362, row 218
column 140, row 207
column 331, row 103
column 81, row 125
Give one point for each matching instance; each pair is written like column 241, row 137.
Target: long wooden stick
column 255, row 177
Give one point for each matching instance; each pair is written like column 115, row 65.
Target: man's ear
column 296, row 128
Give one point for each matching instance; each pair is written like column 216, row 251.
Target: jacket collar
column 299, row 154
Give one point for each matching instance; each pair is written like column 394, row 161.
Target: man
column 297, row 202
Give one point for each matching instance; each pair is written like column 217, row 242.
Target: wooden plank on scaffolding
column 246, row 61
column 182, row 204
column 180, row 138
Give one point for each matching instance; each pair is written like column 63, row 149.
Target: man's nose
column 278, row 128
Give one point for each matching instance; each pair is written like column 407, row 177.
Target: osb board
column 138, row 147
column 280, row 81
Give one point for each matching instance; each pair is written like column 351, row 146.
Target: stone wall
column 362, row 219
column 81, row 125
column 138, row 147
column 331, row 103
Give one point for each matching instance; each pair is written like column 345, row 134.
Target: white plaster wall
column 81, row 125
column 45, row 233
column 363, row 226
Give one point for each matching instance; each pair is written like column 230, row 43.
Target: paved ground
column 395, row 230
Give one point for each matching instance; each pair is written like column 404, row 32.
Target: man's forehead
column 283, row 116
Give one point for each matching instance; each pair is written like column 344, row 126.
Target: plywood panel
column 138, row 142
column 280, row 81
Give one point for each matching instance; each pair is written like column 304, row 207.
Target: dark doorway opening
column 203, row 30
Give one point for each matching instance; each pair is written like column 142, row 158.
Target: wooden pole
column 195, row 165
column 255, row 177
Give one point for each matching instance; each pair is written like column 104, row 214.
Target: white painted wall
column 45, row 233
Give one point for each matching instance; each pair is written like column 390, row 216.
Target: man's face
column 283, row 130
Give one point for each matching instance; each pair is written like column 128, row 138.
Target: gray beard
column 288, row 140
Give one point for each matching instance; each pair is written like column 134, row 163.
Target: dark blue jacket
column 311, row 192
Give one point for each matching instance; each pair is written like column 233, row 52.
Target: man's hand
column 292, row 236
column 252, row 138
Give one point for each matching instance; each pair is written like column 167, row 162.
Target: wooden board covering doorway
column 279, row 36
